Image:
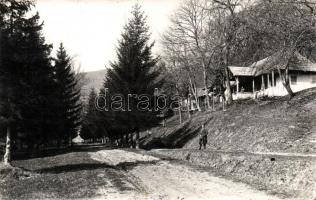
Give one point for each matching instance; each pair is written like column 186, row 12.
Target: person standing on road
column 200, row 140
column 203, row 137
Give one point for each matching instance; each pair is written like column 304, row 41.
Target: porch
column 246, row 87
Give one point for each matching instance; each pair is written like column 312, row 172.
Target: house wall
column 304, row 81
column 243, row 95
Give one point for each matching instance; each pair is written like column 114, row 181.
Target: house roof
column 306, row 68
column 242, row 71
column 266, row 65
column 297, row 63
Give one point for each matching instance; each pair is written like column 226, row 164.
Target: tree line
column 39, row 98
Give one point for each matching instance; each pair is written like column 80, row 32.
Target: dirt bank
column 287, row 176
column 270, row 125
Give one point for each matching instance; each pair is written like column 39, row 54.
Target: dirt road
column 147, row 177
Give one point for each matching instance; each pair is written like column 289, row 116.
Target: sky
column 90, row 29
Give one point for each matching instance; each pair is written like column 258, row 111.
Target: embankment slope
column 270, row 125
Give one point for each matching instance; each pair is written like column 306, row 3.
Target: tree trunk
column 285, row 79
column 131, row 140
column 180, row 115
column 194, row 92
column 179, row 105
column 69, row 141
column 122, row 140
column 188, row 106
column 197, row 101
column 228, row 91
column 207, row 98
column 7, row 155
column 137, row 139
column 289, row 90
column 164, row 122
column 213, row 101
column 126, row 140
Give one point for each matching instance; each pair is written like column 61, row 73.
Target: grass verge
column 69, row 175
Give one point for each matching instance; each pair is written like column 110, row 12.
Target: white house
column 262, row 79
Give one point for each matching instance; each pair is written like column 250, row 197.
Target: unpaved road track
column 147, row 177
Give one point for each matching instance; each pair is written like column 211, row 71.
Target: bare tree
column 191, row 29
column 229, row 23
column 182, row 66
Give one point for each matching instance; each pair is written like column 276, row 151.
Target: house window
column 293, row 79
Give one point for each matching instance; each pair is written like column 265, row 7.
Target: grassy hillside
column 269, row 125
column 70, row 175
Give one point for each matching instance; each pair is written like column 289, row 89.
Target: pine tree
column 89, row 126
column 36, row 73
column 25, row 73
column 11, row 13
column 68, row 93
column 134, row 73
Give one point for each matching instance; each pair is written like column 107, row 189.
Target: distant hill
column 91, row 80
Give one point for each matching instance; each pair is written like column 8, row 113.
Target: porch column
column 237, row 81
column 273, row 83
column 253, row 85
column 262, row 82
column 190, row 103
column 268, row 76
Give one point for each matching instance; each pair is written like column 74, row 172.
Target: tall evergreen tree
column 134, row 73
column 12, row 14
column 36, row 73
column 94, row 126
column 25, row 74
column 69, row 104
column 89, row 126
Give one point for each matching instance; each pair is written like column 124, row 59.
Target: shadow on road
column 74, row 168
column 92, row 166
column 21, row 155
